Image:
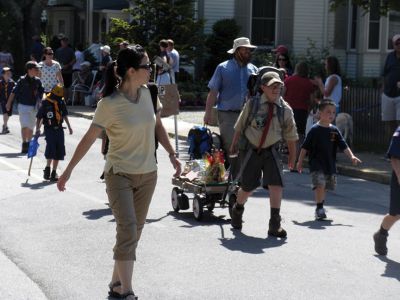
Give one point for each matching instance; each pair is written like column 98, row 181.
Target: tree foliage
column 385, row 5
column 19, row 21
column 153, row 20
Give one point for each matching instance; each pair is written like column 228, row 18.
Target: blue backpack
column 200, row 141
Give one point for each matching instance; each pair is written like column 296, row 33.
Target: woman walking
column 50, row 71
column 126, row 113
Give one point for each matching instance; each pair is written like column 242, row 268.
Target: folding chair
column 82, row 88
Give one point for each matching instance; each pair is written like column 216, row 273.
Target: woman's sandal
column 111, row 292
column 127, row 296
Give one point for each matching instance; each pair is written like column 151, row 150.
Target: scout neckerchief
column 266, row 127
column 56, row 109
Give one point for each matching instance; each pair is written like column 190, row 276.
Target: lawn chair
column 82, row 88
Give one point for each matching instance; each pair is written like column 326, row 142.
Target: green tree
column 19, row 21
column 385, row 5
column 153, row 20
column 217, row 43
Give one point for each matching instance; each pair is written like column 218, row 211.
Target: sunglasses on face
column 145, row 66
column 281, row 59
column 50, row 53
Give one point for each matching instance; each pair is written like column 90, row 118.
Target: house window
column 61, row 26
column 353, row 26
column 394, row 27
column 263, row 22
column 374, row 25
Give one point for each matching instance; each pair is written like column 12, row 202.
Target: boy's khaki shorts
column 129, row 196
column 320, row 179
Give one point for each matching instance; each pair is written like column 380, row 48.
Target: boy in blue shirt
column 321, row 143
column 380, row 237
column 6, row 87
column 52, row 113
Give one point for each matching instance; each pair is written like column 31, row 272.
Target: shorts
column 394, row 208
column 55, row 147
column 390, row 108
column 129, row 197
column 4, row 110
column 67, row 78
column 318, row 178
column 27, row 116
column 266, row 164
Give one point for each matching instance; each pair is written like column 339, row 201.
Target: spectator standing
column 282, row 62
column 66, row 57
column 174, row 56
column 6, row 86
column 380, row 237
column 262, row 134
column 6, row 59
column 298, row 92
column 50, row 71
column 127, row 114
column 391, row 85
column 80, row 58
column 37, row 49
column 332, row 89
column 105, row 60
column 228, row 90
column 164, row 73
column 28, row 92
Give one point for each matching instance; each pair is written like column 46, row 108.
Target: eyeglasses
column 145, row 66
column 50, row 53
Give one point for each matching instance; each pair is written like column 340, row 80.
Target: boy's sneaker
column 380, row 243
column 54, row 176
column 5, row 130
column 46, row 173
column 25, row 148
column 275, row 228
column 320, row 213
column 237, row 213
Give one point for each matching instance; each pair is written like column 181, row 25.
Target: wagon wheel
column 232, row 201
column 174, row 199
column 198, row 207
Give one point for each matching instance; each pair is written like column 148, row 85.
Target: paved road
column 58, row 245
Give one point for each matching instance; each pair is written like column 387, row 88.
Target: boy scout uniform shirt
column 276, row 132
column 130, row 128
column 47, row 112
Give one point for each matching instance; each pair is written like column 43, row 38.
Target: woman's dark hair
column 163, row 43
column 301, row 69
column 45, row 50
column 333, row 66
column 287, row 58
column 130, row 57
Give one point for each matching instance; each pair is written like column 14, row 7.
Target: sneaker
column 54, row 176
column 237, row 213
column 25, row 148
column 5, row 130
column 46, row 173
column 275, row 228
column 380, row 243
column 320, row 213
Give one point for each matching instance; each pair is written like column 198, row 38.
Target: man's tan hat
column 241, row 42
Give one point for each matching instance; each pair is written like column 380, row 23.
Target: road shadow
column 249, row 244
column 209, row 219
column 11, row 155
column 95, row 214
column 149, row 221
column 38, row 185
column 318, row 224
column 392, row 269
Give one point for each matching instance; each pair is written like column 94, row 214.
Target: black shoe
column 46, row 173
column 237, row 213
column 5, row 130
column 25, row 147
column 54, row 176
column 275, row 228
column 380, row 243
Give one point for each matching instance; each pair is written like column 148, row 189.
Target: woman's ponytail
column 111, row 80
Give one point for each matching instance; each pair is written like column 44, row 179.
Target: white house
column 360, row 39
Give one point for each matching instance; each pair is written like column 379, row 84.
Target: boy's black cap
column 32, row 65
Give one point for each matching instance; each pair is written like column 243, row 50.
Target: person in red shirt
column 298, row 93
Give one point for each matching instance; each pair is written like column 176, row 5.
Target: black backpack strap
column 154, row 94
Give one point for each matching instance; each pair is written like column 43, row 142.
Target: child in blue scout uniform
column 6, row 87
column 321, row 144
column 52, row 113
column 380, row 237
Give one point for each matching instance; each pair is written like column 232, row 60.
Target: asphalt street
column 59, row 245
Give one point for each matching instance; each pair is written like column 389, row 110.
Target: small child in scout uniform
column 52, row 113
column 6, row 86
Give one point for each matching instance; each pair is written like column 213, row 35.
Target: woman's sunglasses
column 50, row 53
column 145, row 66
